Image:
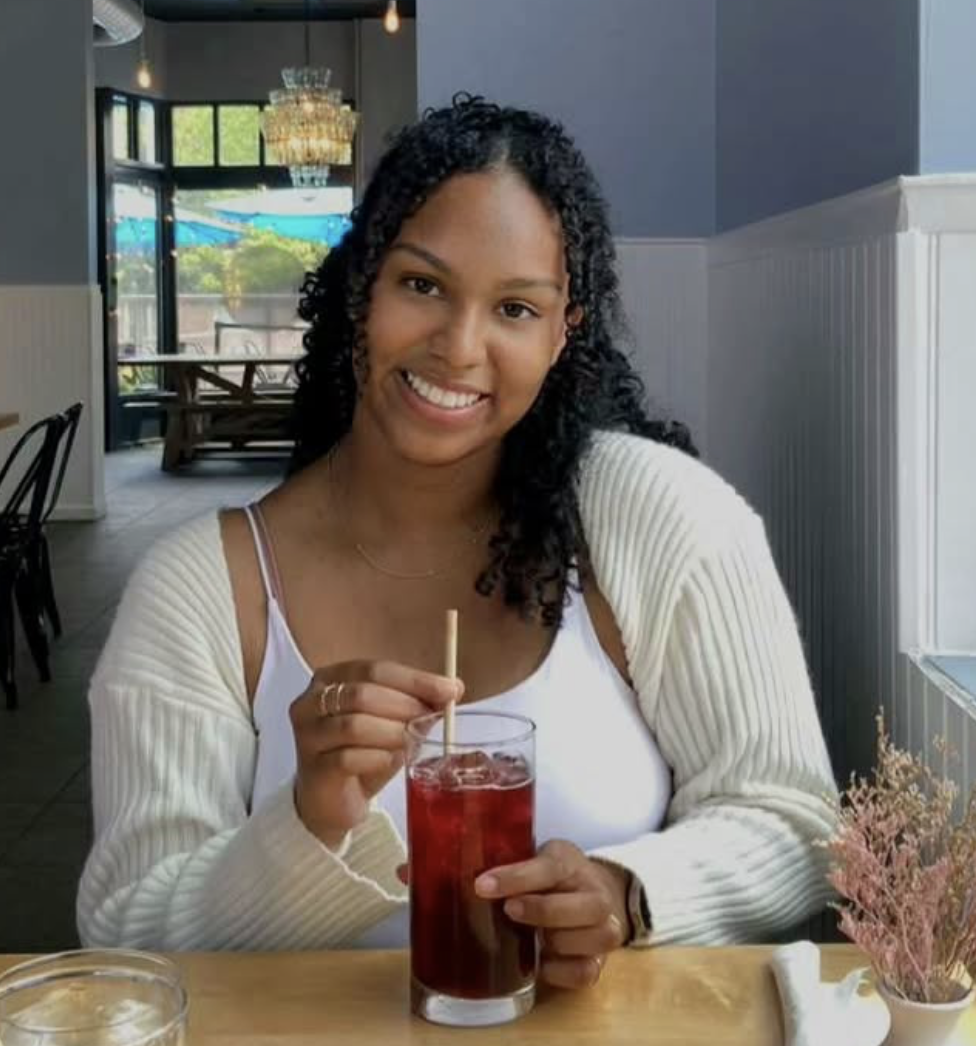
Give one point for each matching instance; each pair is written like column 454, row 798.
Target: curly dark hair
column 539, row 538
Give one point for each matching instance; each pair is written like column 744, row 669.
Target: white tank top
column 600, row 779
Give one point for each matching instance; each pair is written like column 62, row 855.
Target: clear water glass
column 93, row 998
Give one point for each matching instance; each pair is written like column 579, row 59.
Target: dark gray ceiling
column 269, row 10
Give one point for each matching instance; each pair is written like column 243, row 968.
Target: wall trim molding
column 50, row 356
column 926, row 203
column 933, row 203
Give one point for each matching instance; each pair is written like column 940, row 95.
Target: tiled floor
column 45, row 826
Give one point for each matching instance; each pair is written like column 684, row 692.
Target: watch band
column 638, row 909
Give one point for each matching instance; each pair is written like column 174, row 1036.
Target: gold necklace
column 424, row 575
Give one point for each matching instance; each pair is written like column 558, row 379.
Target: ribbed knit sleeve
column 716, row 660
column 178, row 862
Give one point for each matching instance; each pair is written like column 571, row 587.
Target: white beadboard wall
column 664, row 290
column 934, row 706
column 841, row 371
column 51, row 356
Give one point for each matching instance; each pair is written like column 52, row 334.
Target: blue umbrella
column 137, row 234
column 317, row 215
column 318, row 228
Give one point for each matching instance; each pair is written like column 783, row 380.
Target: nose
column 460, row 342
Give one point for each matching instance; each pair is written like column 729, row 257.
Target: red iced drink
column 469, row 811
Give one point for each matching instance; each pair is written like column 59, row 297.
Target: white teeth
column 438, row 396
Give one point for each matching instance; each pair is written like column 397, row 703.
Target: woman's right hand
column 350, row 741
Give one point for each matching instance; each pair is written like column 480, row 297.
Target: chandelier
column 306, row 125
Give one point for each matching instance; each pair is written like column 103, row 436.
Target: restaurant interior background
column 793, row 194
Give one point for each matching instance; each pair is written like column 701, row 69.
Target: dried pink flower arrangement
column 906, row 869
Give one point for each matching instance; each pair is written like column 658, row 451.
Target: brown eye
column 518, row 310
column 420, row 285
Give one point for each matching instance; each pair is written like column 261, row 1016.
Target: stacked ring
column 328, row 707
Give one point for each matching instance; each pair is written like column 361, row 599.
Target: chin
column 440, row 451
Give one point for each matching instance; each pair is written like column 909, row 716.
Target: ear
column 574, row 316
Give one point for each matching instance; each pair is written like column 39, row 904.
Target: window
column 241, row 259
column 239, row 134
column 120, row 129
column 135, row 317
column 147, row 132
column 208, row 244
column 193, row 136
column 217, row 136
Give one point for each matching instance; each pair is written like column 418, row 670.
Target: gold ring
column 337, row 710
column 324, row 694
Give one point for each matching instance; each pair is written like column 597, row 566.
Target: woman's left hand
column 578, row 905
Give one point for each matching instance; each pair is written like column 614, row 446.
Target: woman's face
column 468, row 313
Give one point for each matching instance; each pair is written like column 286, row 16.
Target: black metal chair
column 28, row 470
column 38, row 554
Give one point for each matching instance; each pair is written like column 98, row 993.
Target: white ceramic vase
column 922, row 1023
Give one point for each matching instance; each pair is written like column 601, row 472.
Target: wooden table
column 208, row 409
column 657, row 997
column 8, row 420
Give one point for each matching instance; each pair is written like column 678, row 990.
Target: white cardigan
column 713, row 651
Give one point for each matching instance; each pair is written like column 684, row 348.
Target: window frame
column 169, row 180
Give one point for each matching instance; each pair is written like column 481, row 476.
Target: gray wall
column 48, row 125
column 816, row 98
column 116, row 66
column 209, row 61
column 948, row 86
column 388, row 84
column 633, row 80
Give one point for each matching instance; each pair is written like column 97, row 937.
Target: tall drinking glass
column 93, row 998
column 469, row 809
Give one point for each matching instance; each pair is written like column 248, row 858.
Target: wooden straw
column 450, row 670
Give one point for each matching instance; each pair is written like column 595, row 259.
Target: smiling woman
column 467, row 435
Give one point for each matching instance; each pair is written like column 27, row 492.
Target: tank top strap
column 270, row 577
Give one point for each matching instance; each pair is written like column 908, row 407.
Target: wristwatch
column 638, row 909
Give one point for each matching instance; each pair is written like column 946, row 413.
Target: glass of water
column 93, row 998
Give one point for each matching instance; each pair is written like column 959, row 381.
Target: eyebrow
column 519, row 283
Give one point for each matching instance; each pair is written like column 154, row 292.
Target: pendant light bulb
column 143, row 74
column 391, row 20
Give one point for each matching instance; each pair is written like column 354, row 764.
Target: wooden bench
column 218, row 423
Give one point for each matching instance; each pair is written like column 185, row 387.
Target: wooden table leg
column 173, row 444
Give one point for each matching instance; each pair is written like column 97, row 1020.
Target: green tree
column 239, row 135
column 265, row 263
column 193, row 138
column 202, row 270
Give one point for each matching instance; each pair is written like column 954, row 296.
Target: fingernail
column 458, row 689
column 486, row 885
column 514, row 909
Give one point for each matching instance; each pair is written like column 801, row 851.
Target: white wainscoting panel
column 801, row 408
column 664, row 288
column 51, row 356
column 955, row 358
column 940, row 709
column 841, row 377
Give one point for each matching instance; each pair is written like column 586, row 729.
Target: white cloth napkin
column 818, row 1014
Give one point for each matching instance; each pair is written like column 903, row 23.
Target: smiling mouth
column 446, row 399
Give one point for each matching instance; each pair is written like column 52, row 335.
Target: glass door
column 133, row 241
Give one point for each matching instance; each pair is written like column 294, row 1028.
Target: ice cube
column 467, row 770
column 63, row 1013
column 427, row 771
column 511, row 770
